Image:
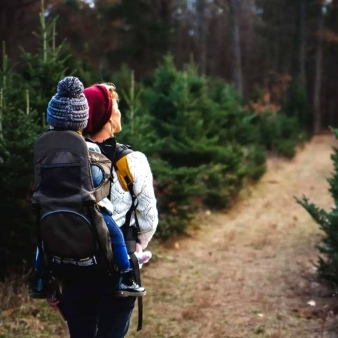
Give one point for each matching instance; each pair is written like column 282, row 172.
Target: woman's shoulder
column 138, row 163
column 137, row 156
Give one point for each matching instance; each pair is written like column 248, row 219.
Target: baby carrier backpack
column 72, row 234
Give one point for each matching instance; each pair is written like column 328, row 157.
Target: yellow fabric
column 123, row 171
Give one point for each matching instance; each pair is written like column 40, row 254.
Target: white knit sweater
column 143, row 188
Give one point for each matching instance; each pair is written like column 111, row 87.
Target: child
column 68, row 110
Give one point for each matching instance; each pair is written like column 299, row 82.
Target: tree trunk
column 302, row 44
column 201, row 31
column 10, row 12
column 236, row 46
column 318, row 77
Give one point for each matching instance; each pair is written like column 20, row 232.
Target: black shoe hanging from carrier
column 72, row 234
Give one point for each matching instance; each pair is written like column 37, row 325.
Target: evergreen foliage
column 297, row 106
column 202, row 144
column 328, row 222
column 136, row 120
column 41, row 72
column 16, row 155
column 204, row 137
column 25, row 92
column 239, row 127
column 177, row 191
column 280, row 133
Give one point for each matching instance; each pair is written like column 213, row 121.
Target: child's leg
column 126, row 285
column 39, row 290
column 37, row 264
column 118, row 245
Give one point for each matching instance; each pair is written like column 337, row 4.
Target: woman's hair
column 112, row 90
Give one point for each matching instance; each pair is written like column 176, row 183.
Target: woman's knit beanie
column 100, row 108
column 68, row 109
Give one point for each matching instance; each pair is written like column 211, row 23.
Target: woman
column 89, row 306
column 103, row 123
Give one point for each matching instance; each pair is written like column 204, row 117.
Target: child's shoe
column 127, row 285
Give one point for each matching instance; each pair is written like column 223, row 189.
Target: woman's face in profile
column 116, row 117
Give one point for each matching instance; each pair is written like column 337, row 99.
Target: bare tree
column 233, row 7
column 302, row 43
column 236, row 44
column 9, row 14
column 201, row 30
column 318, row 73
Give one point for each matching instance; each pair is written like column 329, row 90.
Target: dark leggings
column 118, row 244
column 92, row 311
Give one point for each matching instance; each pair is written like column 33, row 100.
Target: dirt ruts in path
column 242, row 273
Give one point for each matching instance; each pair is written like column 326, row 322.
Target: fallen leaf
column 311, row 303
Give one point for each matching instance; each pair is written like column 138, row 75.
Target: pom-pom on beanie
column 68, row 109
column 100, row 108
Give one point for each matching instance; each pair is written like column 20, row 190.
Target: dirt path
column 242, row 273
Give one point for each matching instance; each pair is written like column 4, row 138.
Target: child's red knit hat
column 100, row 108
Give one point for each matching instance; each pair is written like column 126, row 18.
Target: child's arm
column 97, row 174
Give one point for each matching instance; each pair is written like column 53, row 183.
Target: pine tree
column 328, row 222
column 137, row 131
column 19, row 130
column 205, row 141
column 42, row 71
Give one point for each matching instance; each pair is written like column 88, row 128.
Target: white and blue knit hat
column 68, row 109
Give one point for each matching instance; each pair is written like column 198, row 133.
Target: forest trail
column 248, row 272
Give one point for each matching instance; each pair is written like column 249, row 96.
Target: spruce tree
column 137, row 131
column 24, row 95
column 42, row 71
column 19, row 129
column 204, row 143
column 328, row 222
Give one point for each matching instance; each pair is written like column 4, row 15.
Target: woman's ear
column 112, row 126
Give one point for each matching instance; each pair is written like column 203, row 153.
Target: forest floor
column 247, row 272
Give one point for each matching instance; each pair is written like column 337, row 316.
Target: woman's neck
column 101, row 136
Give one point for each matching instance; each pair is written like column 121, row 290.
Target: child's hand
column 139, row 247
column 53, row 303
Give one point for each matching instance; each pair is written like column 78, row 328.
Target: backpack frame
column 72, row 234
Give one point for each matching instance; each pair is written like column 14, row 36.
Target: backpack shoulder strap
column 121, row 166
column 126, row 180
